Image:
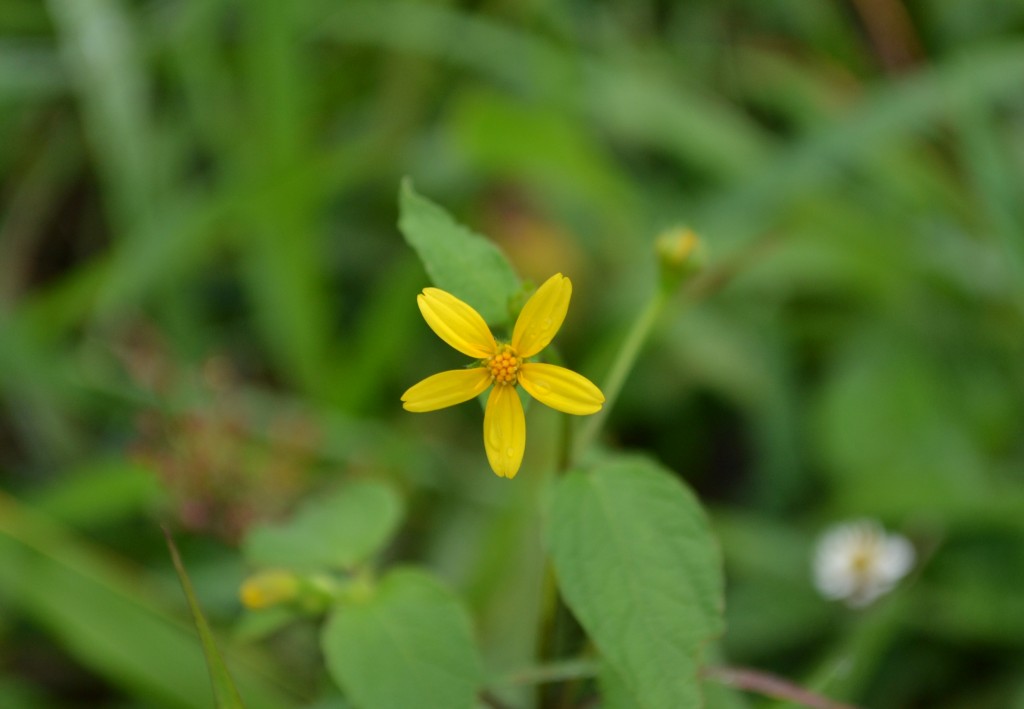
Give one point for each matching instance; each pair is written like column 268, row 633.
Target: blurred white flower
column 858, row 562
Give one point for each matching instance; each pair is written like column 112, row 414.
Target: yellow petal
column 504, row 431
column 446, row 389
column 542, row 316
column 561, row 388
column 456, row 323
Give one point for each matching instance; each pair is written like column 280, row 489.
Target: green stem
column 621, row 368
column 576, row 668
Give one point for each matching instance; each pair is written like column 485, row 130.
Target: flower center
column 863, row 562
column 504, row 366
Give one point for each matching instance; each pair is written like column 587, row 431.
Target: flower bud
column 269, row 588
column 680, row 255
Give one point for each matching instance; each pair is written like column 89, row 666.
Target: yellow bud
column 268, row 588
column 680, row 255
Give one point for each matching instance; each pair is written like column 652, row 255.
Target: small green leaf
column 339, row 530
column 225, row 693
column 408, row 645
column 636, row 563
column 465, row 264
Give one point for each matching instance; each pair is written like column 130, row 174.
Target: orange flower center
column 504, row 366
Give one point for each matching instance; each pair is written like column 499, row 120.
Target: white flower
column 858, row 562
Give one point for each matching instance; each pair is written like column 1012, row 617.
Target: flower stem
column 560, row 671
column 623, row 365
column 770, row 685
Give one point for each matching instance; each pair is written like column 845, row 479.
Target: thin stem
column 770, row 685
column 621, row 368
column 578, row 668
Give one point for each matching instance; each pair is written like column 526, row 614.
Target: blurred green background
column 207, row 313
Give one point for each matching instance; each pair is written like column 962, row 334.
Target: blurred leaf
column 465, row 264
column 636, row 104
column 100, row 492
column 21, row 693
column 258, row 624
column 563, row 158
column 898, row 111
column 614, row 692
column 341, row 529
column 767, row 617
column 283, row 248
column 376, row 352
column 107, row 617
column 29, row 71
column 890, row 421
column 638, row 566
column 970, row 592
column 101, row 54
column 224, row 691
column 409, row 645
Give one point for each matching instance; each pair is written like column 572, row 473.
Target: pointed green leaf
column 408, row 645
column 225, row 693
column 465, row 264
column 636, row 563
column 341, row 529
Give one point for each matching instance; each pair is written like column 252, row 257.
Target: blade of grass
column 101, row 54
column 224, row 691
column 109, row 617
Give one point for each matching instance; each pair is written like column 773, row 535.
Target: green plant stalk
column 574, row 668
column 621, row 368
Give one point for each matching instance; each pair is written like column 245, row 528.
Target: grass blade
column 224, row 691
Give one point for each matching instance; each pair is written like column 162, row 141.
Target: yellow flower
column 268, row 588
column 503, row 365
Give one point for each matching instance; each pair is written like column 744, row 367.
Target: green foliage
column 224, row 691
column 636, row 561
column 109, row 618
column 207, row 314
column 457, row 260
column 407, row 644
column 339, row 530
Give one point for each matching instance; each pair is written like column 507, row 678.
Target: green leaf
column 105, row 613
column 29, row 70
column 339, row 530
column 491, row 128
column 465, row 264
column 224, row 691
column 105, row 61
column 100, row 492
column 614, row 692
column 408, row 645
column 636, row 563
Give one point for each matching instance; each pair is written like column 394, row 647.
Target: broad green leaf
column 224, row 691
column 339, row 530
column 465, row 264
column 408, row 645
column 636, row 563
